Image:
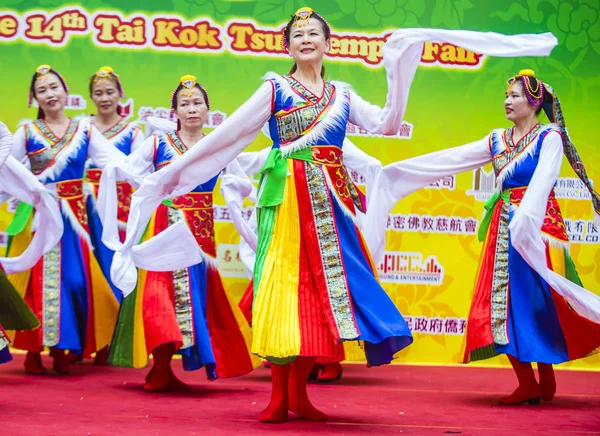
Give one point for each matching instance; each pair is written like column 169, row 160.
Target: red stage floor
column 389, row 400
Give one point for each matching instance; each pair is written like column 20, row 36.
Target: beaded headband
column 107, row 73
column 187, row 84
column 301, row 19
column 533, row 91
column 41, row 72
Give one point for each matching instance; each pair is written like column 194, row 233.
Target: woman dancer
column 126, row 136
column 17, row 181
column 528, row 301
column 315, row 284
column 66, row 288
column 186, row 310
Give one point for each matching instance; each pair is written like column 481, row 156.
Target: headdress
column 301, row 19
column 187, row 84
column 41, row 72
column 552, row 109
column 107, row 73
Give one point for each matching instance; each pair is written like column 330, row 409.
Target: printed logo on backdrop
column 441, row 224
column 405, row 131
column 571, row 188
column 221, row 213
column 436, row 325
column 484, row 183
column 410, row 267
column 230, row 263
column 110, row 28
column 215, row 118
column 582, row 231
column 126, row 108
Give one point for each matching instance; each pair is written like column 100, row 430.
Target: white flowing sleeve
column 402, row 54
column 19, row 150
column 196, row 166
column 235, row 187
column 20, row 183
column 6, row 143
column 133, row 168
column 525, row 226
column 397, row 180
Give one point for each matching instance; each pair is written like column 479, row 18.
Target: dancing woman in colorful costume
column 186, row 310
column 528, row 301
column 106, row 90
column 18, row 182
column 315, row 284
column 66, row 288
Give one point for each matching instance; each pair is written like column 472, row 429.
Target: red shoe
column 61, row 361
column 101, row 357
column 547, row 381
column 34, row 365
column 297, row 396
column 531, row 395
column 277, row 410
column 157, row 381
column 330, row 373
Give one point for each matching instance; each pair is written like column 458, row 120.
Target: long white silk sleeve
column 402, row 55
column 235, row 187
column 132, row 168
column 526, row 238
column 6, row 143
column 196, row 166
column 397, row 180
column 20, row 183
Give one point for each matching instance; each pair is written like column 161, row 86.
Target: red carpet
column 390, row 400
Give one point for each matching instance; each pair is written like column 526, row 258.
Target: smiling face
column 516, row 105
column 191, row 110
column 105, row 94
column 308, row 43
column 50, row 93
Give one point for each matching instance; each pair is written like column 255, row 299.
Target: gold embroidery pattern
column 116, row 129
column 197, row 209
column 183, row 298
column 44, row 157
column 72, row 192
column 331, row 255
column 51, row 297
column 177, row 143
column 500, row 283
column 296, row 122
column 501, row 160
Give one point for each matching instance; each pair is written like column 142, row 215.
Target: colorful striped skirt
column 188, row 307
column 315, row 284
column 514, row 311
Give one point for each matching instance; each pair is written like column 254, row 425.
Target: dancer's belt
column 274, row 171
column 69, row 190
column 511, row 195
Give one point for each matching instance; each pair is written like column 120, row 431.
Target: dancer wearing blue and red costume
column 66, row 288
column 315, row 284
column 528, row 301
column 187, row 310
